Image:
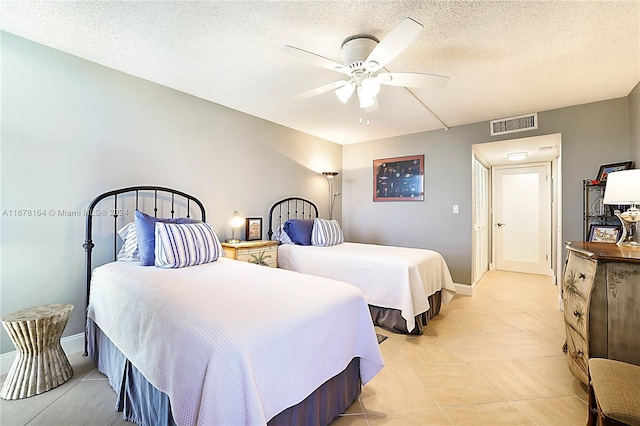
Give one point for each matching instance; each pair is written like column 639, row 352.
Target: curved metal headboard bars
column 300, row 205
column 88, row 243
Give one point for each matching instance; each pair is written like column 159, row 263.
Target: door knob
column 501, row 224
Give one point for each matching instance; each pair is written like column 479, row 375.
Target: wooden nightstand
column 259, row 252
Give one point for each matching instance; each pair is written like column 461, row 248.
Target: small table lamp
column 236, row 222
column 623, row 187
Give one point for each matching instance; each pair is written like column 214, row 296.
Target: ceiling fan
column 364, row 56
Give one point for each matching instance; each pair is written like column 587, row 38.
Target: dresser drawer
column 577, row 354
column 575, row 312
column 579, row 275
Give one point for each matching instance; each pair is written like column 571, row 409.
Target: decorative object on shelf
column 236, row 222
column 331, row 176
column 605, row 169
column 399, row 179
column 623, row 187
column 253, row 228
column 595, row 212
column 604, row 233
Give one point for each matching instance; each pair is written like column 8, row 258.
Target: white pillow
column 281, row 236
column 326, row 233
column 129, row 251
column 187, row 244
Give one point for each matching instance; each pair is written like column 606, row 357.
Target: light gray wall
column 72, row 129
column 592, row 134
column 634, row 126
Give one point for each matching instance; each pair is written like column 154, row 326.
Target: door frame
column 557, row 243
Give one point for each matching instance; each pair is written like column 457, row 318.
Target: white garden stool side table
column 40, row 363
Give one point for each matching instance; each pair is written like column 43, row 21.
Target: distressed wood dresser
column 601, row 295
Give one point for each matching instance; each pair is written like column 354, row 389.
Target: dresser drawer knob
column 582, row 276
column 576, row 313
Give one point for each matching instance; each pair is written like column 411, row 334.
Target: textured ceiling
column 503, row 58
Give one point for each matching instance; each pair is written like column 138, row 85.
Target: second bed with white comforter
column 389, row 277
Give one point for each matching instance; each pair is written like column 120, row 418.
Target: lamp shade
column 330, row 175
column 623, row 187
column 236, row 220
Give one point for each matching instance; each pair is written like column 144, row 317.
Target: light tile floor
column 492, row 359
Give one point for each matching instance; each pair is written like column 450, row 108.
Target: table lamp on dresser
column 623, row 187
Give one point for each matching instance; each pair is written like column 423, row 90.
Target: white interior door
column 522, row 218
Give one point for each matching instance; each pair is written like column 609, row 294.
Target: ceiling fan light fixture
column 517, row 156
column 344, row 93
column 370, row 88
column 365, row 101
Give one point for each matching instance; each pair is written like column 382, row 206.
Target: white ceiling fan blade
column 320, row 90
column 409, row 79
column 393, row 44
column 316, row 59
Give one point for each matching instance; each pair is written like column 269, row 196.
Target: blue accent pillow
column 146, row 234
column 299, row 230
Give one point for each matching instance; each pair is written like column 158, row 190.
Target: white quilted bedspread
column 230, row 342
column 389, row 277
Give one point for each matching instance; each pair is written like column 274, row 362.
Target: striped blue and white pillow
column 281, row 236
column 188, row 244
column 129, row 250
column 326, row 233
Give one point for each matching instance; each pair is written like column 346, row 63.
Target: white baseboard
column 464, row 289
column 70, row 345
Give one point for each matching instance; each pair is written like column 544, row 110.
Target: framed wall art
column 253, row 228
column 604, row 233
column 605, row 169
column 399, row 179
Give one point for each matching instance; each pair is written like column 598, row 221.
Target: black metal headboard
column 290, row 208
column 171, row 198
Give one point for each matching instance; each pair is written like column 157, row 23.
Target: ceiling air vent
column 514, row 124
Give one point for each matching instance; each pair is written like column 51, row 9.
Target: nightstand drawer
column 262, row 255
column 259, row 252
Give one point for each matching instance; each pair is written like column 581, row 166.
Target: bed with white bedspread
column 227, row 342
column 404, row 287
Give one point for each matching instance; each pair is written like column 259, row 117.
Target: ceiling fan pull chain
column 368, row 122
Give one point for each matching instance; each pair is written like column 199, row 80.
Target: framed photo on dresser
column 253, row 228
column 604, row 233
